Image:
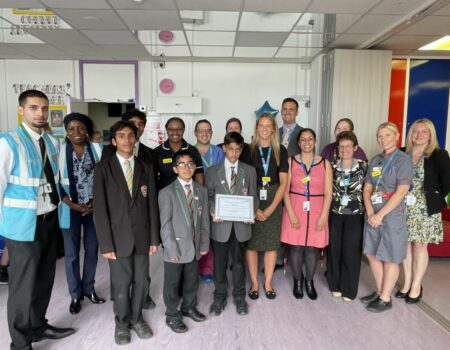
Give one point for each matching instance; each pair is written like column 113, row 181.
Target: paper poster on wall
column 56, row 115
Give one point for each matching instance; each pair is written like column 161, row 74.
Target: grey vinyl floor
column 436, row 286
column 283, row 323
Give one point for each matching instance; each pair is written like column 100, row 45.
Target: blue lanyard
column 265, row 162
column 307, row 172
column 385, row 168
column 346, row 180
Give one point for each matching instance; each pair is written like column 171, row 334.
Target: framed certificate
column 234, row 208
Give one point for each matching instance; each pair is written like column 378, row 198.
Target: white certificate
column 234, row 208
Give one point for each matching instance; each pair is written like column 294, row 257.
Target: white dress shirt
column 228, row 166
column 183, row 183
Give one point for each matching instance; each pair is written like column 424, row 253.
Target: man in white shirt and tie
column 290, row 129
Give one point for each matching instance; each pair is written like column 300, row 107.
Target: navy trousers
column 80, row 285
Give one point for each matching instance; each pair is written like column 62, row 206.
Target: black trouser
column 344, row 254
column 221, row 254
column 299, row 256
column 173, row 273
column 129, row 280
column 31, row 277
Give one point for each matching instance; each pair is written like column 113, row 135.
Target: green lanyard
column 207, row 164
column 44, row 158
column 182, row 207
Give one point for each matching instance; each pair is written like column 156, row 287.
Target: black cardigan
column 436, row 182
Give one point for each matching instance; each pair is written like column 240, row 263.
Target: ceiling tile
column 105, row 37
column 210, row 38
column 372, row 24
column 78, row 4
column 35, row 4
column 444, row 11
column 210, row 5
column 431, row 25
column 304, row 40
column 341, row 6
column 406, row 42
column 91, row 19
column 396, row 7
column 268, row 22
column 151, row 20
column 289, row 52
column 144, row 5
column 39, row 50
column 175, row 51
column 212, row 51
column 58, row 37
column 349, row 41
column 151, row 37
column 276, row 6
column 260, row 39
column 216, row 20
column 81, row 49
column 255, row 51
column 344, row 21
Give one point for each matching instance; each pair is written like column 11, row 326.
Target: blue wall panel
column 429, row 82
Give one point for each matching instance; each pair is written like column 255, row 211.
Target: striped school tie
column 285, row 140
column 233, row 180
column 128, row 175
column 190, row 200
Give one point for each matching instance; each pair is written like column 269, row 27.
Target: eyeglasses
column 345, row 147
column 204, row 131
column 184, row 166
column 175, row 131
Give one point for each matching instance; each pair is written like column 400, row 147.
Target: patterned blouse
column 83, row 173
column 354, row 179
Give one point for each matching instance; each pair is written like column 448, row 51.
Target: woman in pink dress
column 305, row 217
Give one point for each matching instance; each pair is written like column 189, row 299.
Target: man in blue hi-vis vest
column 28, row 220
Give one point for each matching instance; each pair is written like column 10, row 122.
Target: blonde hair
column 432, row 145
column 275, row 139
column 390, row 126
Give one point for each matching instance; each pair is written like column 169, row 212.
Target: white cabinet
column 179, row 104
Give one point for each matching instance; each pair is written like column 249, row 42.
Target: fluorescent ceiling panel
column 268, row 22
column 105, row 37
column 210, row 5
column 76, row 4
column 210, row 38
column 216, row 20
column 442, row 44
column 403, row 42
column 91, row 19
column 372, row 24
column 396, row 7
column 275, row 6
column 260, row 39
column 342, row 6
column 144, row 5
column 212, row 51
column 255, row 51
column 151, row 20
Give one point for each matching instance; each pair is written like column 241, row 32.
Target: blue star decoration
column 266, row 108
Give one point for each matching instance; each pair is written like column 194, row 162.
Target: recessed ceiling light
column 442, row 44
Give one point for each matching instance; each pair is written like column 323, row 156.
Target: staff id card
column 410, row 199
column 306, row 205
column 344, row 200
column 376, row 198
column 263, row 194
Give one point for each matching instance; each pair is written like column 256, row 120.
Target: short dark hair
column 231, row 120
column 233, row 137
column 180, row 154
column 134, row 113
column 202, row 121
column 290, row 99
column 347, row 135
column 348, row 121
column 31, row 93
column 175, row 119
column 305, row 130
column 120, row 125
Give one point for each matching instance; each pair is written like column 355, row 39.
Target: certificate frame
column 234, row 208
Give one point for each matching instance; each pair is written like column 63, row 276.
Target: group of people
column 129, row 199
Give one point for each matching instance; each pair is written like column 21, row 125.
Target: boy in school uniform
column 183, row 209
column 231, row 177
column 126, row 217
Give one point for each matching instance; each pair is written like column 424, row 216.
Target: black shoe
column 253, row 294
column 4, row 277
column 379, row 305
column 415, row 300
column 75, row 306
column 310, row 290
column 241, row 307
column 51, row 332
column 298, row 288
column 401, row 295
column 122, row 336
column 196, row 315
column 94, row 298
column 369, row 298
column 217, row 306
column 270, row 294
column 279, row 266
column 149, row 303
column 142, row 329
column 177, row 326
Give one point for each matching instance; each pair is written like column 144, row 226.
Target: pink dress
column 306, row 235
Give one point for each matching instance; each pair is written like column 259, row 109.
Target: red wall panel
column 397, row 94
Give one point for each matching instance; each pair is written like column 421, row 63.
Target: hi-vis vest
column 20, row 198
column 63, row 208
